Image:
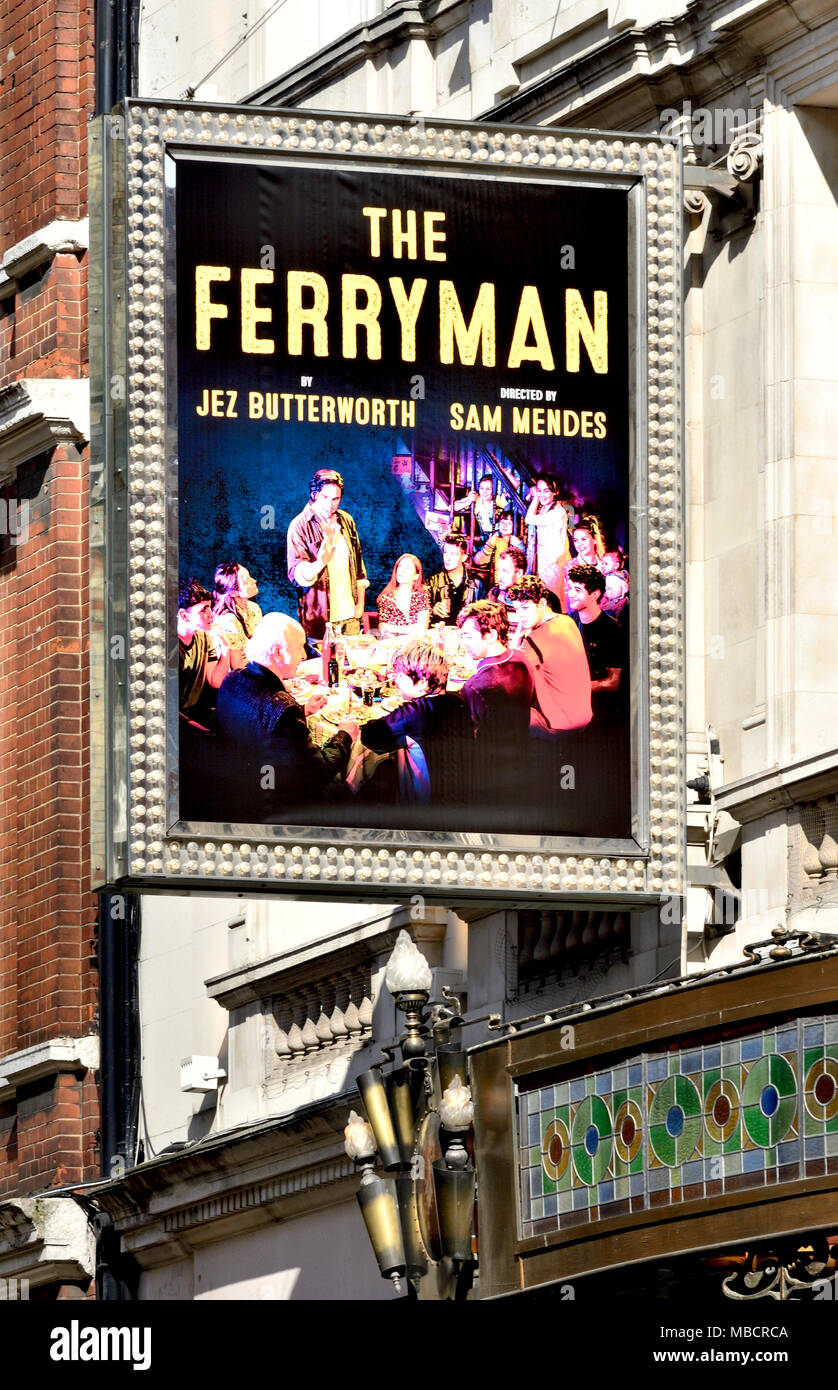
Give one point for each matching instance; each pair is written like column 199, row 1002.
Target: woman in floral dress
column 403, row 605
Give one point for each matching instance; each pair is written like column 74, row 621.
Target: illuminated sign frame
column 138, row 840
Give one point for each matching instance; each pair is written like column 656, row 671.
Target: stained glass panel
column 668, row 1126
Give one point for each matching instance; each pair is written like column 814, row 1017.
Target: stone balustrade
column 332, row 1014
column 553, row 943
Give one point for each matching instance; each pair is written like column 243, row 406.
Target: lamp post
column 377, row 1199
column 408, row 978
column 419, row 1113
column 453, row 1176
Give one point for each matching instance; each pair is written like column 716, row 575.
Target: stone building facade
column 239, row 1188
column 752, row 95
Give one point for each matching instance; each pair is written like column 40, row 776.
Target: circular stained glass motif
column 592, row 1140
column 555, row 1150
column 820, row 1089
column 769, row 1101
column 721, row 1110
column 628, row 1131
column 675, row 1120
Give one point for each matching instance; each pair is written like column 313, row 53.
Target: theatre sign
column 342, row 367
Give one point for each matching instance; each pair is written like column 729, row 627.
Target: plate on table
column 300, row 687
column 336, row 714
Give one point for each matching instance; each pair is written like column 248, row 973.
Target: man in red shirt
column 554, row 648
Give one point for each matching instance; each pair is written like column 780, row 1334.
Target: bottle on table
column 335, row 668
column 327, row 653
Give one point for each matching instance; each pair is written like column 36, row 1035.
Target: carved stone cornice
column 628, row 77
column 744, row 158
column 400, row 23
column 259, row 1196
column 696, row 202
column 39, row 247
column 317, row 1000
column 622, row 81
column 728, row 190
column 47, row 1059
column 37, row 413
column 45, row 1240
column 233, row 1182
column 772, row 789
column 341, row 951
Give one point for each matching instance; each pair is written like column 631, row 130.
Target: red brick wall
column 46, row 1138
column 47, row 94
column 43, row 328
column 47, row 912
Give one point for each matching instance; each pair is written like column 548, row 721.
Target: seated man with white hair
column 274, row 768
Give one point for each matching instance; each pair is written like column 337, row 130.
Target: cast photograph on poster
column 401, row 456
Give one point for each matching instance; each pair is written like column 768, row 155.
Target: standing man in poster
column 325, row 560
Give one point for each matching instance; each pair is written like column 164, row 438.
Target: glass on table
column 367, row 686
column 450, row 641
column 361, row 650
